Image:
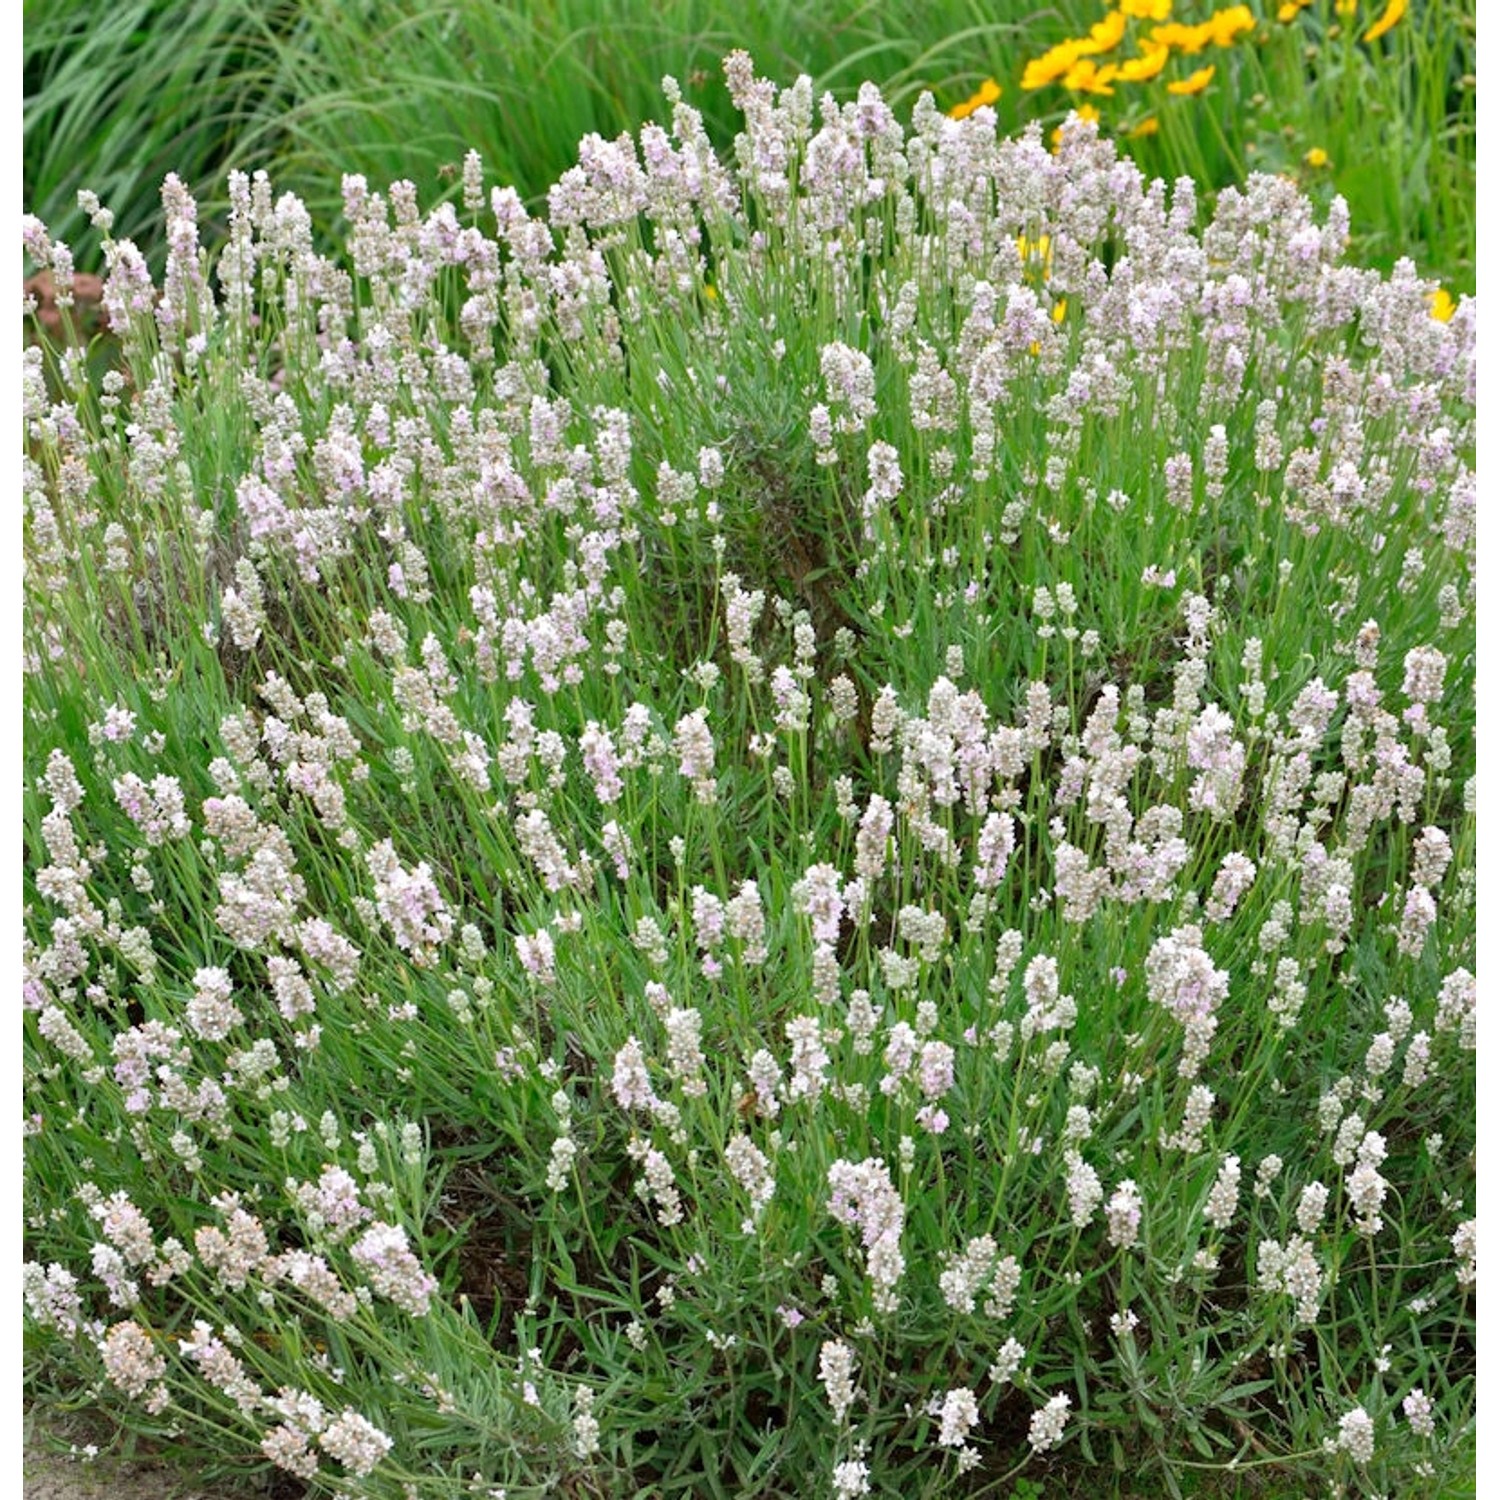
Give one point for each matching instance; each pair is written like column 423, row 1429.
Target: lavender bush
column 806, row 828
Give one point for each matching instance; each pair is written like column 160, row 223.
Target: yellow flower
column 1060, row 310
column 1039, row 249
column 1317, row 157
column 1064, row 57
column 1051, row 65
column 1228, row 24
column 1089, row 78
column 1139, row 69
column 1185, row 39
column 1291, row 10
column 710, row 291
column 1149, row 126
column 1345, row 8
column 1443, row 306
column 989, row 91
column 1146, row 10
column 1392, row 13
column 1105, row 35
column 1195, row 83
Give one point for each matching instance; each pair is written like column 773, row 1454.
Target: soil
column 56, row 1466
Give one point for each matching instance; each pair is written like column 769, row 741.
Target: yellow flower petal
column 1149, row 126
column 1185, row 39
column 1443, row 306
column 1039, row 249
column 1194, row 83
column 988, row 93
column 1139, row 69
column 1146, row 10
column 1088, row 77
column 1393, row 12
column 1060, row 310
column 1051, row 65
column 1105, row 35
column 1226, row 25
column 1317, row 157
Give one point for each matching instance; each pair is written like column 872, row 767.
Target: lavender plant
column 806, row 827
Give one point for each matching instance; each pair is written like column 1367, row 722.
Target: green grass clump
column 118, row 96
